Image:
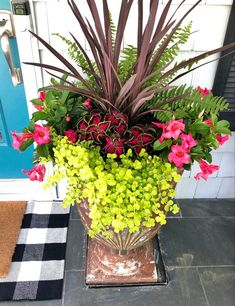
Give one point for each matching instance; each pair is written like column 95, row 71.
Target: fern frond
column 191, row 106
column 128, row 59
column 113, row 29
column 180, row 37
column 77, row 56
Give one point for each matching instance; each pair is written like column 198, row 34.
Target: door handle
column 7, row 32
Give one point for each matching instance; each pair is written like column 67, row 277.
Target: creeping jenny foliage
column 125, row 194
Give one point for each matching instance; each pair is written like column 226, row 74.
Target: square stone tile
column 33, row 303
column 183, row 289
column 198, row 241
column 207, row 208
column 74, row 213
column 76, row 246
column 219, row 284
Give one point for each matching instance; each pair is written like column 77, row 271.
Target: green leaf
column 63, row 79
column 39, row 116
column 222, row 127
column 64, row 97
column 214, row 119
column 159, row 146
column 179, row 113
column 224, row 130
column 61, row 111
column 49, row 96
column 43, row 150
column 35, row 157
column 208, row 157
column 187, row 166
column 37, row 102
column 31, row 126
column 223, row 123
column 26, row 144
column 197, row 149
column 199, row 127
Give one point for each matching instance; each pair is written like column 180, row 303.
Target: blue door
column 13, row 111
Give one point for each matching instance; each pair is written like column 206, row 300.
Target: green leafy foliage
column 130, row 194
column 77, row 56
column 24, row 146
column 113, row 29
column 191, row 106
column 127, row 61
column 57, row 106
column 130, row 79
column 170, row 53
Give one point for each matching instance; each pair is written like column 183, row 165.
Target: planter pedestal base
column 106, row 268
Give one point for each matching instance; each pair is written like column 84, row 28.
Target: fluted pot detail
column 121, row 242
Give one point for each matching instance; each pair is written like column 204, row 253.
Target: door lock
column 7, row 31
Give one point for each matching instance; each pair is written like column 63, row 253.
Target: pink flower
column 87, row 103
column 204, row 92
column 221, row 139
column 179, row 156
column 206, row 170
column 208, row 122
column 38, row 107
column 170, row 130
column 41, row 134
column 19, row 138
column 67, row 119
column 42, row 96
column 188, row 141
column 71, row 135
column 37, row 173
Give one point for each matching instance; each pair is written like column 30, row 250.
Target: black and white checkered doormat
column 37, row 268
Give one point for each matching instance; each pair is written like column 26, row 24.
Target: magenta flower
column 206, row 170
column 188, row 141
column 204, row 92
column 71, row 135
column 179, row 156
column 19, row 138
column 221, row 139
column 38, row 107
column 37, row 173
column 42, row 96
column 41, row 134
column 208, row 122
column 87, row 103
column 170, row 130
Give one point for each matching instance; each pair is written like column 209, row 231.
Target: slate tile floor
column 198, row 247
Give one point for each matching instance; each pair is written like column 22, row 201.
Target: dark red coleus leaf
column 114, row 146
column 139, row 138
column 97, row 132
column 82, row 125
column 95, row 120
column 116, row 118
column 121, row 129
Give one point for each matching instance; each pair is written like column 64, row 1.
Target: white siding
column 209, row 20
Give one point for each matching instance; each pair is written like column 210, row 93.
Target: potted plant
column 118, row 130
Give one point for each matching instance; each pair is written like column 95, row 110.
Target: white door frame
column 24, row 189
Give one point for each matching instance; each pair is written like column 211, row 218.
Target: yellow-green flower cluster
column 125, row 193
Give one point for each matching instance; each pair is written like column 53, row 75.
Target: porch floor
column 198, row 247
